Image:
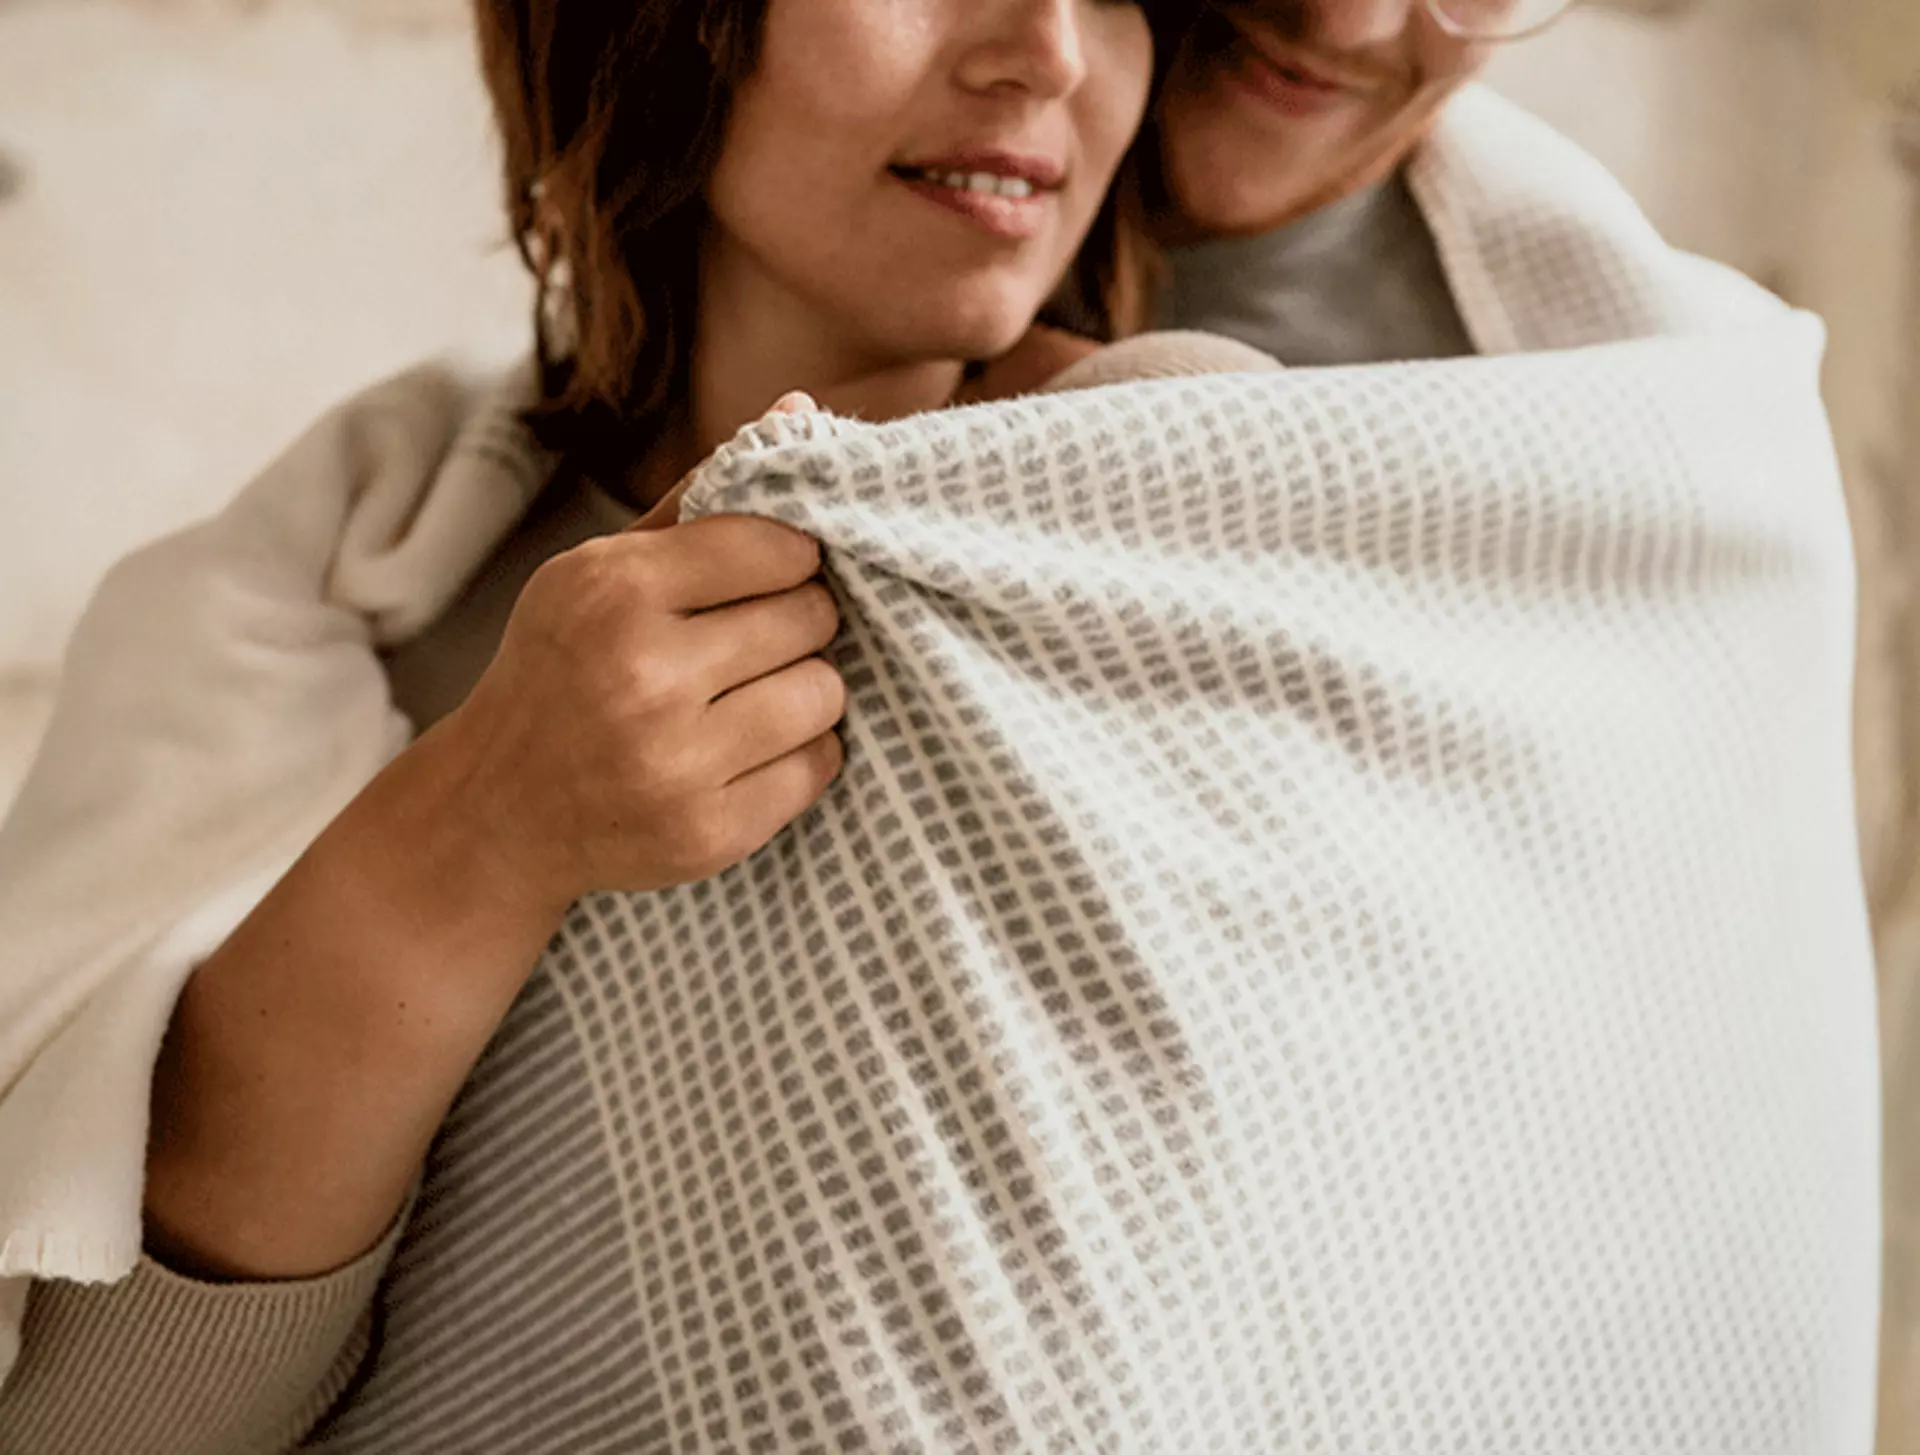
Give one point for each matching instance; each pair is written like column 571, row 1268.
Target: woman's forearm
column 313, row 1056
column 655, row 713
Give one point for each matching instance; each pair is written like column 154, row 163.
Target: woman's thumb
column 666, row 510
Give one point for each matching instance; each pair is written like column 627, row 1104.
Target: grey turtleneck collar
column 1358, row 281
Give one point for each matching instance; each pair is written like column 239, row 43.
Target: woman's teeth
column 983, row 182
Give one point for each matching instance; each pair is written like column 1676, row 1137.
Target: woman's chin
column 992, row 343
column 982, row 324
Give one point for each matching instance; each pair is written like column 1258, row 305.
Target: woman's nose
column 1029, row 45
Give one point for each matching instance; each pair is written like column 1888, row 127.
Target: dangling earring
column 557, row 315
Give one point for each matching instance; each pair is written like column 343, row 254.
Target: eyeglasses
column 1495, row 20
column 1484, row 22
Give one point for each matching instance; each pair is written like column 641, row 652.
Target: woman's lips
column 1006, row 207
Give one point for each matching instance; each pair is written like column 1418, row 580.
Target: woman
column 723, row 201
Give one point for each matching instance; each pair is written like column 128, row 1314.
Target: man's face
column 1277, row 107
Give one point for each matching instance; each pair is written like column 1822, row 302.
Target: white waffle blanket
column 1341, row 927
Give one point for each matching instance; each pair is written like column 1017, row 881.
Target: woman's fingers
column 732, row 645
column 657, row 708
column 771, row 716
column 794, row 401
column 665, row 511
column 716, row 561
column 723, row 558
column 761, row 803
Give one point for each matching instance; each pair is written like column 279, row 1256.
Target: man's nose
column 1031, row 45
column 1353, row 25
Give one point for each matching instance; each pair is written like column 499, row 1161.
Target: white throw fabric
column 221, row 702
column 1441, row 771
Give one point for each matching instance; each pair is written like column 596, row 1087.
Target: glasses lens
column 1496, row 19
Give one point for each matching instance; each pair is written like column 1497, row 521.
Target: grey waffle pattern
column 1305, row 955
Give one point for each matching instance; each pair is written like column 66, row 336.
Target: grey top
column 1358, row 282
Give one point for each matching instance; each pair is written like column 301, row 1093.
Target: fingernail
column 795, row 401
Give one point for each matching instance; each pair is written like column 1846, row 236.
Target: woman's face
column 919, row 174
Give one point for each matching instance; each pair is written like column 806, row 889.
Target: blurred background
column 219, row 216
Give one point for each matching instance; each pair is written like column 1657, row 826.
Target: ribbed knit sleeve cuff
column 1165, row 355
column 162, row 1363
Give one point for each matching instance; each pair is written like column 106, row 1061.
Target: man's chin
column 1219, row 206
column 1232, row 171
column 1223, row 181
column 1225, row 190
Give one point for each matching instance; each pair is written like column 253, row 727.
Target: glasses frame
column 1436, row 10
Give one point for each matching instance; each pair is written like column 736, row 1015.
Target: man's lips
column 1291, row 80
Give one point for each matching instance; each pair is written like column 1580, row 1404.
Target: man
column 1280, row 201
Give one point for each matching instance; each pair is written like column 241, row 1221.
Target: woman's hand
column 657, row 710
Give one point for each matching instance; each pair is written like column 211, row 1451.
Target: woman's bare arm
column 655, row 713
column 312, row 1057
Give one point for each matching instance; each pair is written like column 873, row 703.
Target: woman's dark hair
column 612, row 117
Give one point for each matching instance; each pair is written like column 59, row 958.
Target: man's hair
column 612, row 117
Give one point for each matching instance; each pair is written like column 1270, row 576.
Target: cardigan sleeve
column 171, row 1365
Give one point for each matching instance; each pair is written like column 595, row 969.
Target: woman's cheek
column 1120, row 79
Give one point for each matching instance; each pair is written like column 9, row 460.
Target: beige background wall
column 228, row 218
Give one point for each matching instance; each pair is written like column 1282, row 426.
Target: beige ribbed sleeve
column 1165, row 354
column 166, row 1365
